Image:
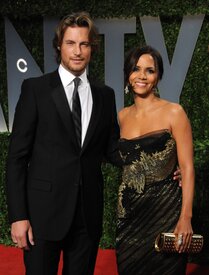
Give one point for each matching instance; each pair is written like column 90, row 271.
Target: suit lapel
column 95, row 115
column 61, row 103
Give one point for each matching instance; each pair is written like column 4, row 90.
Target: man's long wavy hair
column 79, row 19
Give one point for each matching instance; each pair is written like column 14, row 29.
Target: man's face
column 75, row 49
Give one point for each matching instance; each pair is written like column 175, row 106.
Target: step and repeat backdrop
column 179, row 30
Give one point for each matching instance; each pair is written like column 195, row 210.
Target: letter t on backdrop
column 175, row 73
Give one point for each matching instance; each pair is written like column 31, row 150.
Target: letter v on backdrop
column 21, row 65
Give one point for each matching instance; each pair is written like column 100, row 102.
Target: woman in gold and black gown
column 150, row 201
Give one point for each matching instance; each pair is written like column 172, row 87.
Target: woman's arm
column 182, row 133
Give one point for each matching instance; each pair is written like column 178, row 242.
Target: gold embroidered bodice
column 147, row 159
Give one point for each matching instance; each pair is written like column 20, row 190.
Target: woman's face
column 145, row 76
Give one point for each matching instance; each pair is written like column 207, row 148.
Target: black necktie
column 76, row 109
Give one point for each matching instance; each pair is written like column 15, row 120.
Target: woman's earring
column 156, row 91
column 127, row 89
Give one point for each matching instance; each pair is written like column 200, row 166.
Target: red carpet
column 11, row 263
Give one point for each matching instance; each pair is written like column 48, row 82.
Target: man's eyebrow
column 81, row 42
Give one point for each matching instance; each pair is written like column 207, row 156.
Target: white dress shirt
column 85, row 96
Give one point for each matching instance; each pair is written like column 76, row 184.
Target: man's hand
column 177, row 175
column 21, row 233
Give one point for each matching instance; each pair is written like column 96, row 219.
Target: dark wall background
column 27, row 18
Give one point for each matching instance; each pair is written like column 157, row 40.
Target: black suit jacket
column 45, row 164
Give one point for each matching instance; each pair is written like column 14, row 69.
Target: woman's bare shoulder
column 124, row 112
column 173, row 108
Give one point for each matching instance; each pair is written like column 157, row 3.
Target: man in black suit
column 54, row 179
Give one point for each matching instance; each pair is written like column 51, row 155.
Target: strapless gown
column 149, row 202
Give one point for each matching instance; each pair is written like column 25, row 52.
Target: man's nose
column 77, row 49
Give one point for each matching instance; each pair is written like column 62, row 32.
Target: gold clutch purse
column 166, row 242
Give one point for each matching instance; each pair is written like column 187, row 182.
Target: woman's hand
column 177, row 175
column 183, row 232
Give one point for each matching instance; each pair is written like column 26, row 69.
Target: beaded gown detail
column 149, row 203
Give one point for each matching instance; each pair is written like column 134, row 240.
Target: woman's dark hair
column 133, row 57
column 79, row 19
